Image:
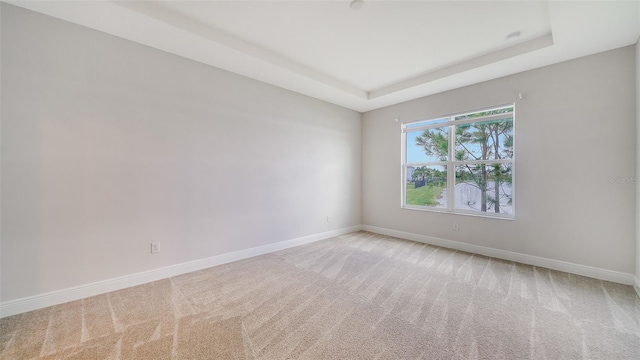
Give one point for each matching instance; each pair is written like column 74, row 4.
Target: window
column 462, row 163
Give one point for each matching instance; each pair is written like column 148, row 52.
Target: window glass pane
column 487, row 140
column 426, row 186
column 429, row 122
column 508, row 111
column 484, row 188
column 428, row 145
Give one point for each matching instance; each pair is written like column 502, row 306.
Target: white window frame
column 451, row 164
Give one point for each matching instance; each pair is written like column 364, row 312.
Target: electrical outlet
column 328, row 219
column 155, row 247
column 456, row 227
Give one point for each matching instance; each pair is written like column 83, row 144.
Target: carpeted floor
column 357, row 296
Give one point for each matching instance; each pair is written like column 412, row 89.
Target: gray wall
column 574, row 130
column 108, row 145
column 637, row 279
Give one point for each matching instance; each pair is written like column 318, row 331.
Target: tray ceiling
column 385, row 53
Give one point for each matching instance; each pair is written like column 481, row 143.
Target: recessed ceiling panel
column 381, row 44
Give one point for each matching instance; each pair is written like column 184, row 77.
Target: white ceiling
column 385, row 53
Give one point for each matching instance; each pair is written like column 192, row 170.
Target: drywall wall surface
column 637, row 178
column 108, row 145
column 575, row 163
column 0, row 148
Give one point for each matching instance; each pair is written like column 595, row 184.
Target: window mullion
column 451, row 177
column 488, row 162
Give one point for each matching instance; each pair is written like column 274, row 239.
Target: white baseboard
column 636, row 284
column 584, row 270
column 30, row 303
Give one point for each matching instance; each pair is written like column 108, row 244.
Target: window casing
column 461, row 163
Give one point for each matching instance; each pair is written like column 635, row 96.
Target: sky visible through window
column 472, row 174
column 415, row 153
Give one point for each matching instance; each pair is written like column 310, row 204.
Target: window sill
column 444, row 211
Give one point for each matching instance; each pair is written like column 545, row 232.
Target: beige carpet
column 358, row 296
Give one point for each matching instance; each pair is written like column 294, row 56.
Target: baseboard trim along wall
column 35, row 302
column 584, row 270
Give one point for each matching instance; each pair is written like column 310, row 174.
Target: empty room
column 349, row 179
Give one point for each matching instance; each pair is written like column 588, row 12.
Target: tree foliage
column 430, row 175
column 474, row 143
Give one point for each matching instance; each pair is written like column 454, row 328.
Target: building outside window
column 461, row 163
